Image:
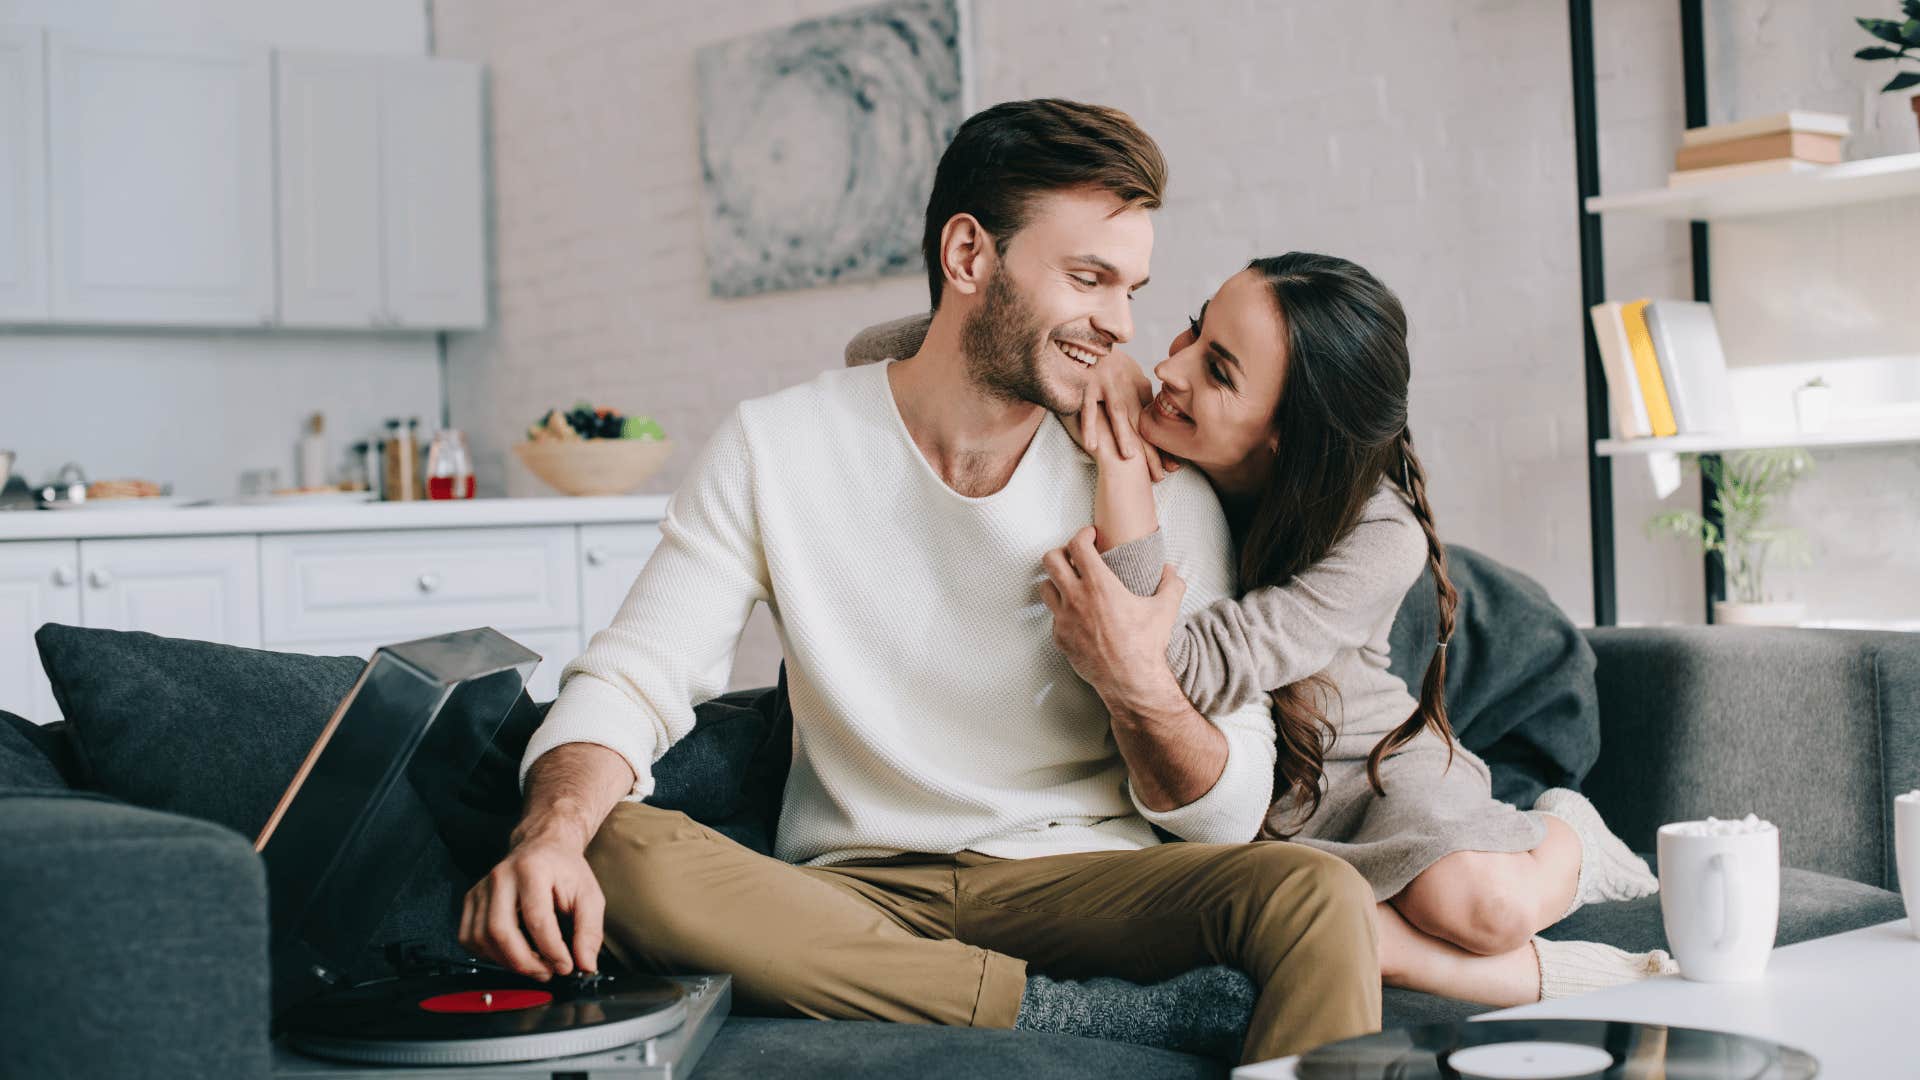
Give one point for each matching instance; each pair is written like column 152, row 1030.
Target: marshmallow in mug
column 1715, row 827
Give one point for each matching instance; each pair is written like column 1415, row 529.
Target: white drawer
column 392, row 586
column 556, row 648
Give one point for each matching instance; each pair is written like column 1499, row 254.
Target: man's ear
column 966, row 253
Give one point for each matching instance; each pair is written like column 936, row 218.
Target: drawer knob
column 62, row 577
column 596, row 556
column 99, row 579
column 429, row 582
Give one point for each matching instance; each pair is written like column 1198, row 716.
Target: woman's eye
column 1219, row 374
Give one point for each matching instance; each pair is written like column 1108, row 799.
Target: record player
column 341, row 843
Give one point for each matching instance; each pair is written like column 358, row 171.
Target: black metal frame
column 1593, row 290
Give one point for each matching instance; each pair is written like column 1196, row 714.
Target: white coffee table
column 1851, row 1000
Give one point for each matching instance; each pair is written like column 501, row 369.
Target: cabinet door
column 38, row 584
column 328, row 137
column 610, row 559
column 432, row 193
column 23, row 175
column 161, row 181
column 204, row 588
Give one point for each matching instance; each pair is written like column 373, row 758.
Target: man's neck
column 973, row 439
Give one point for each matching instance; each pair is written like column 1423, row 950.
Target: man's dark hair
column 1002, row 158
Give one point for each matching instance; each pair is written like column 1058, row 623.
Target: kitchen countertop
column 230, row 519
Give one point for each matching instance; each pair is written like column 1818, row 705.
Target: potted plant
column 1904, row 34
column 1746, row 542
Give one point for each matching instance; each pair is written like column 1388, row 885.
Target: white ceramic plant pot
column 1780, row 613
column 1813, row 408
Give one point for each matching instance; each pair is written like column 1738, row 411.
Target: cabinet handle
column 429, row 582
column 62, row 577
column 596, row 556
column 99, row 579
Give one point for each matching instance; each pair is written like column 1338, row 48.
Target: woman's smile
column 1164, row 407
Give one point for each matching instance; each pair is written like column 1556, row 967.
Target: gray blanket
column 1520, row 685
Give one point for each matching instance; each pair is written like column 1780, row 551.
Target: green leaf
column 1911, row 8
column 1876, row 52
column 1884, row 29
column 1902, row 81
column 1910, row 31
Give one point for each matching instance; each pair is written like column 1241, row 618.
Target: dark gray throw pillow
column 27, row 755
column 210, row 731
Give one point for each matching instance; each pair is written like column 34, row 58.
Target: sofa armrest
column 135, row 942
column 1815, row 730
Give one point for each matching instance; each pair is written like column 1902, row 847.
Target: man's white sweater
column 932, row 710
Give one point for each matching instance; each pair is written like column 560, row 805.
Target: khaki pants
column 947, row 939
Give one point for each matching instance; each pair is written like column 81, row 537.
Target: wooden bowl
column 594, row 466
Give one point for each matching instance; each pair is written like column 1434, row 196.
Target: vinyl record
column 483, row 1019
column 1561, row 1049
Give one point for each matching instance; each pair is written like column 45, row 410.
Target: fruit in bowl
column 593, row 451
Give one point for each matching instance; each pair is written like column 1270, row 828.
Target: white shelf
column 1867, row 180
column 1712, row 444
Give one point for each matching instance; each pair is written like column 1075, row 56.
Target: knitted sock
column 1201, row 1012
column 1575, row 967
column 1609, row 870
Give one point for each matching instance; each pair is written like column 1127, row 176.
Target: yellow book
column 1646, row 364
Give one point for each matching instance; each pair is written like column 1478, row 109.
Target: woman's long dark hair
column 1341, row 427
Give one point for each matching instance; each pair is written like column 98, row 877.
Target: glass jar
column 449, row 466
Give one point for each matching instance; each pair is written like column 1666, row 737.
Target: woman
column 1289, row 392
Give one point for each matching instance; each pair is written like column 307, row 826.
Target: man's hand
column 511, row 916
column 1118, row 384
column 1115, row 640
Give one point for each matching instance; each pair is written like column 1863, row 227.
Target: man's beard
column 1002, row 342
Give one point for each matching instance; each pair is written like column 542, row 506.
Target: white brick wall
column 1432, row 142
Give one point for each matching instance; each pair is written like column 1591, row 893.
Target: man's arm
column 1202, row 778
column 622, row 703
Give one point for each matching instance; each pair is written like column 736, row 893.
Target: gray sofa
column 135, row 940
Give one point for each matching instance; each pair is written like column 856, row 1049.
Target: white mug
column 1720, row 899
column 1906, row 854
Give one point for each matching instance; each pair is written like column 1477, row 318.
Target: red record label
column 486, row 1001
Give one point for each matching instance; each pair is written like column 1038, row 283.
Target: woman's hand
column 1117, row 383
column 1115, row 640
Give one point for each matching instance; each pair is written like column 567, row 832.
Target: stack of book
column 1666, row 374
column 1789, row 142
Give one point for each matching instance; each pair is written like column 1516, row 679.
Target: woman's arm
column 1123, row 509
column 1235, row 651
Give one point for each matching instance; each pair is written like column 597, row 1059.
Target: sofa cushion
column 25, row 761
column 1520, row 675
column 857, row 1050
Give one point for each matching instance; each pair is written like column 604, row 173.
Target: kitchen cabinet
column 548, row 573
column 205, row 588
column 432, row 194
column 327, row 132
column 381, row 192
column 39, row 584
column 610, row 560
column 343, row 585
column 23, row 174
column 161, row 181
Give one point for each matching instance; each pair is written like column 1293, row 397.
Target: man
column 961, row 807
